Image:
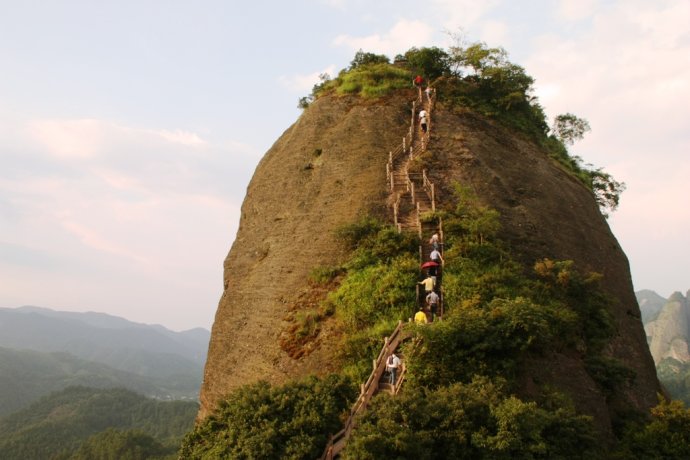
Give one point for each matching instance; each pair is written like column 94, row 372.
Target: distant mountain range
column 667, row 325
column 43, row 350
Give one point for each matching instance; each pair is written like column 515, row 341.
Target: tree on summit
column 362, row 59
column 568, row 128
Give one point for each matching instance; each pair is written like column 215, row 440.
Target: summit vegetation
column 463, row 395
column 482, row 79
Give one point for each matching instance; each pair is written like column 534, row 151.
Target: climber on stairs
column 423, row 120
column 392, row 365
column 432, row 300
column 435, row 256
column 434, row 240
column 420, row 317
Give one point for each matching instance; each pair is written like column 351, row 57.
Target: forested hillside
column 27, row 375
column 80, row 422
column 44, row 350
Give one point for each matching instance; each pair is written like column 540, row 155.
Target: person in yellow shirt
column 420, row 316
column 428, row 284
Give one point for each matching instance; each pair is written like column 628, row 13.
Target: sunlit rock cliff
column 329, row 168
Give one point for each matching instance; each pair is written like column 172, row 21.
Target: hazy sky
column 129, row 130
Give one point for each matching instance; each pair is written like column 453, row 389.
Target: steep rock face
column 546, row 212
column 324, row 171
column 291, row 210
column 670, row 332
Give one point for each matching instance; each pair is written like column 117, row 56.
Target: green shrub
column 353, row 234
column 486, row 340
column 373, row 80
column 665, row 436
column 560, row 281
column 324, row 275
column 431, row 63
column 360, row 347
column 376, row 292
column 259, row 421
column 611, row 375
column 478, row 420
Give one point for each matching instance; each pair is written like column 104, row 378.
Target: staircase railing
column 430, row 189
column 338, row 441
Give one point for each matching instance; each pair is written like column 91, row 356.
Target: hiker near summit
column 435, row 256
column 434, row 240
column 428, row 91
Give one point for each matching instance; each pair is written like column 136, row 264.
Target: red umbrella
column 429, row 264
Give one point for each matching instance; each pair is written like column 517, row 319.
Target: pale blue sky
column 129, row 130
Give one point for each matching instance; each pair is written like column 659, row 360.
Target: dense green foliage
column 487, row 82
column 260, row 421
column 665, row 436
column 478, row 420
column 459, row 397
column 56, row 425
column 123, row 445
column 376, row 291
column 363, row 59
column 487, row 340
column 675, row 376
column 496, row 317
column 432, row 63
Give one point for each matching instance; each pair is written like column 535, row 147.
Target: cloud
column 339, row 4
column 98, row 241
column 304, row 83
column 495, row 32
column 462, row 13
column 626, row 70
column 574, row 10
column 181, row 137
column 137, row 210
column 89, row 138
column 69, row 138
column 402, row 36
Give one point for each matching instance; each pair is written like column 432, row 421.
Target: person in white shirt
column 392, row 365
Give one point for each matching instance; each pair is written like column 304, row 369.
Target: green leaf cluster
column 291, row 421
